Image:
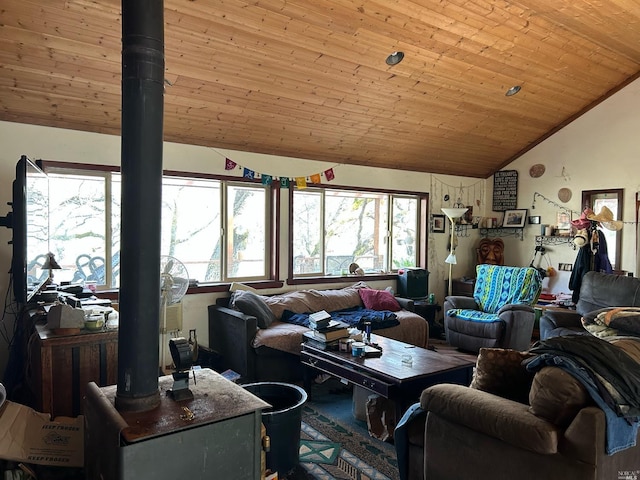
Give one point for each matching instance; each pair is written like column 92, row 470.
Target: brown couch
column 270, row 351
column 511, row 424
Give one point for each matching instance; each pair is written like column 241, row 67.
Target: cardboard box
column 31, row 437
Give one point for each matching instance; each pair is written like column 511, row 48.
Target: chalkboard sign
column 505, row 190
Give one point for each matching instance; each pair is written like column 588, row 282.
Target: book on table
column 319, row 320
column 319, row 325
column 310, row 339
column 333, row 332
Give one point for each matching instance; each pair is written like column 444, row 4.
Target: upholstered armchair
column 499, row 315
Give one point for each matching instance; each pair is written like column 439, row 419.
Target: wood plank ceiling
column 308, row 78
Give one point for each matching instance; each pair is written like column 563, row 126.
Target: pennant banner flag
column 301, row 182
column 229, row 164
column 329, row 175
column 267, row 179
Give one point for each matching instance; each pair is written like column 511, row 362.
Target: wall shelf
column 554, row 240
column 503, row 232
column 462, row 229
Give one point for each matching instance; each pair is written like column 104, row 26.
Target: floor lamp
column 452, row 214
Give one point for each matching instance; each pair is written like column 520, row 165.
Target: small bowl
column 94, row 324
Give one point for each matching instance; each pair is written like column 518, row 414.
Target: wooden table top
column 390, row 366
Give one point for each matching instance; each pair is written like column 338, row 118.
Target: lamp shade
column 50, row 263
column 454, row 212
column 451, row 259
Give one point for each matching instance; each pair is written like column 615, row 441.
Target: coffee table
column 387, row 375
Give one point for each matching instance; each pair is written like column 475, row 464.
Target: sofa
column 598, row 291
column 512, row 422
column 259, row 346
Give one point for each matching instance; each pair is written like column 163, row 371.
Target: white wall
column 599, row 150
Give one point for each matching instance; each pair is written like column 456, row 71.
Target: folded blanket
column 354, row 317
column 613, row 321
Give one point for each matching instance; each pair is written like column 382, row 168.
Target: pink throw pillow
column 378, row 300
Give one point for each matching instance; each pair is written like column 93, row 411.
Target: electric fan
column 174, row 281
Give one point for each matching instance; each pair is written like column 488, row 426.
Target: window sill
column 342, row 278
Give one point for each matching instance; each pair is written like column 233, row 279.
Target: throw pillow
column 378, row 300
column 500, row 371
column 251, row 304
column 557, row 396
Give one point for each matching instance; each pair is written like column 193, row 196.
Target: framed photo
column 438, row 223
column 534, row 220
column 514, row 218
column 564, row 221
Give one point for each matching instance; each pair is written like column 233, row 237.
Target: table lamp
column 50, row 264
column 452, row 214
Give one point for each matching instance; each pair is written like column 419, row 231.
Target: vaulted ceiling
column 308, row 78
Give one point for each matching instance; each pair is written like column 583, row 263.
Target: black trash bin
column 282, row 422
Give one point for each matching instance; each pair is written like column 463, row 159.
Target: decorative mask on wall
column 491, row 251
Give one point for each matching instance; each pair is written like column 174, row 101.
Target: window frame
column 421, row 242
column 272, row 221
column 588, row 199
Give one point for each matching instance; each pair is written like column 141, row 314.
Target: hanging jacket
column 581, row 266
column 601, row 261
column 592, row 256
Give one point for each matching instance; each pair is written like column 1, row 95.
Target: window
column 612, row 199
column 218, row 229
column 333, row 228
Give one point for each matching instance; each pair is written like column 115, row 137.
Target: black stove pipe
column 141, row 167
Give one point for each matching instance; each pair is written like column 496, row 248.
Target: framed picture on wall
column 437, row 223
column 534, row 220
column 514, row 218
column 563, row 221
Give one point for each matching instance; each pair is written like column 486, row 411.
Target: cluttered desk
column 72, row 340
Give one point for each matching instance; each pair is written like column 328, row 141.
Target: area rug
column 336, row 450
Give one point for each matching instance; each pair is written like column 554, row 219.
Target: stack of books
column 319, row 320
column 325, row 333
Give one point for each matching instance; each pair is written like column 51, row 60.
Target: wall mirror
column 612, row 199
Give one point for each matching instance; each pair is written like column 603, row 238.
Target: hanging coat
column 601, row 261
column 587, row 260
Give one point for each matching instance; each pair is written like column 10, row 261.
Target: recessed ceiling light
column 395, row 58
column 513, row 90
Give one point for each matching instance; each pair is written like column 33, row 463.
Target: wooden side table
column 428, row 311
column 63, row 365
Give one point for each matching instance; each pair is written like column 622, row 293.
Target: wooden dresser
column 61, row 366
